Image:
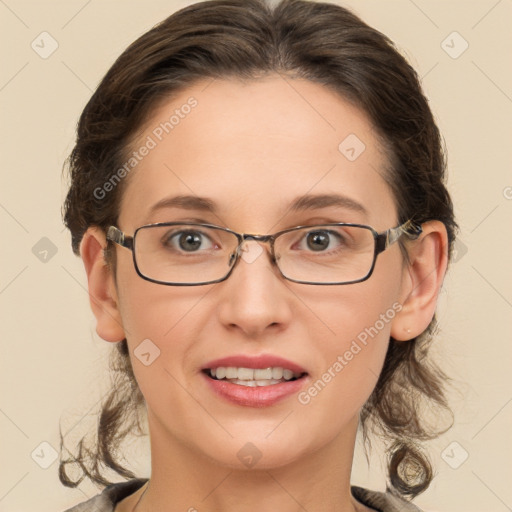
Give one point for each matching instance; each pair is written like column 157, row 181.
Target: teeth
column 277, row 373
column 287, row 374
column 243, row 373
column 255, row 383
column 253, row 377
column 231, row 373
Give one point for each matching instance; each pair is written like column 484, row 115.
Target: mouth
column 254, row 381
column 253, row 377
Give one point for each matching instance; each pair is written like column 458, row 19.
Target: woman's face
column 253, row 149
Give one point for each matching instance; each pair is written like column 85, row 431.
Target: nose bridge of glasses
column 259, row 239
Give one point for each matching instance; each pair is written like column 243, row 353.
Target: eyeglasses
column 192, row 254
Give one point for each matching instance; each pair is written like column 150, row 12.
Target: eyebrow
column 303, row 203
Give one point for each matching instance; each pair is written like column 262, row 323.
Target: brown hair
column 320, row 42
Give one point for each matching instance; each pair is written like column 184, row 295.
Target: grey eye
column 321, row 240
column 188, row 241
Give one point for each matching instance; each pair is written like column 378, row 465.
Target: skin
column 253, row 147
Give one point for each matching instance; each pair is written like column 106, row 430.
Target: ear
column 421, row 281
column 102, row 290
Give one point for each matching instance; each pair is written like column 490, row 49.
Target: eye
column 322, row 240
column 188, row 241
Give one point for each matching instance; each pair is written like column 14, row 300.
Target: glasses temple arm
column 117, row 236
column 409, row 228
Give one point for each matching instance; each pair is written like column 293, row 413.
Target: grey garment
column 113, row 494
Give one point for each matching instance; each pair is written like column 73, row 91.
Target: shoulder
column 382, row 501
column 109, row 497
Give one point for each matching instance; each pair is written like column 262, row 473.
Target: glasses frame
column 382, row 241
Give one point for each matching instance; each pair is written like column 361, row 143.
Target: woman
column 256, row 358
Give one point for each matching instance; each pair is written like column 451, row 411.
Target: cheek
column 151, row 310
column 357, row 343
column 352, row 361
column 354, row 343
column 155, row 318
column 159, row 333
column 363, row 311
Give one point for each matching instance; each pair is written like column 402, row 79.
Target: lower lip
column 259, row 396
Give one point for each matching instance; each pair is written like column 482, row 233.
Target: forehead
column 253, row 148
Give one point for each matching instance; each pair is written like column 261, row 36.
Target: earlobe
column 102, row 290
column 422, row 281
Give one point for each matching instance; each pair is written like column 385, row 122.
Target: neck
column 183, row 479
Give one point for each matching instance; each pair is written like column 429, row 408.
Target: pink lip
column 261, row 361
column 261, row 396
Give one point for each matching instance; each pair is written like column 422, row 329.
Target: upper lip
column 260, row 361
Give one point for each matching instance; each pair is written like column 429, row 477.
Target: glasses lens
column 326, row 253
column 183, row 254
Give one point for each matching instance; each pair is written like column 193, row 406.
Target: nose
column 255, row 297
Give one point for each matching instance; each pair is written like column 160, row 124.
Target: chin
column 254, row 452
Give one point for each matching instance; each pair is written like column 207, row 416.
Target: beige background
column 53, row 363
